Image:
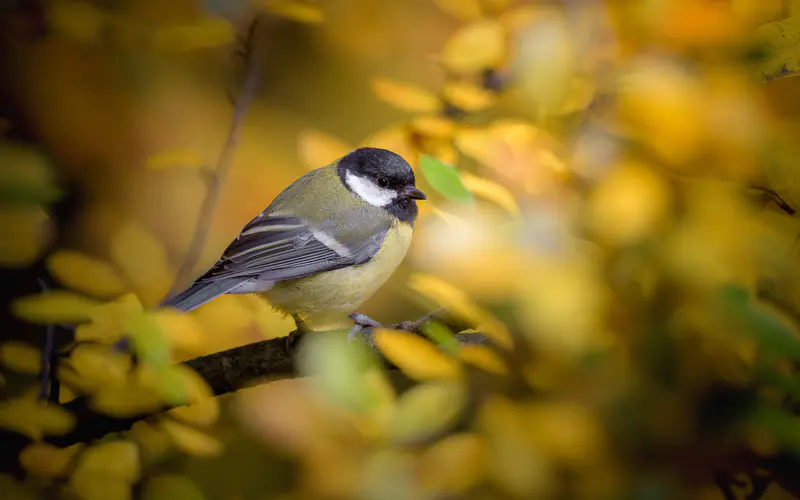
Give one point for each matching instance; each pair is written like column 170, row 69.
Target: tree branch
column 224, row 372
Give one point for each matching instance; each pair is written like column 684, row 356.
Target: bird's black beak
column 415, row 194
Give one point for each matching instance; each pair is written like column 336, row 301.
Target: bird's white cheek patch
column 369, row 191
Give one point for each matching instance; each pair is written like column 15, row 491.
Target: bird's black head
column 382, row 179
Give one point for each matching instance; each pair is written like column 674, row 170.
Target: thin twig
column 216, row 177
column 48, row 386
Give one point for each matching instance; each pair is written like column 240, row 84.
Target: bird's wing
column 276, row 248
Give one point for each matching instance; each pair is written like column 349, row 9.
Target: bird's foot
column 361, row 323
column 293, row 339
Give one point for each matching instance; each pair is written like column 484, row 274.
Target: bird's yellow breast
column 326, row 298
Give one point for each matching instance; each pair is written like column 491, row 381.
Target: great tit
column 325, row 244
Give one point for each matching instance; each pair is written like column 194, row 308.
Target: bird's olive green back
column 322, row 200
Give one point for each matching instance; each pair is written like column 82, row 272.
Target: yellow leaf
column 144, row 261
column 416, row 356
column 468, row 96
column 457, row 302
column 171, row 487
column 99, row 487
column 783, row 39
column 655, row 98
column 426, row 410
column 100, row 363
column 476, row 47
column 183, row 330
column 153, row 442
column 46, row 460
column 467, row 10
column 295, row 10
column 190, row 440
column 118, row 459
column 85, row 274
column 54, row 307
column 175, row 158
column 133, row 397
column 491, row 191
column 518, row 150
column 483, row 357
column 405, row 96
column 21, row 357
column 24, row 233
column 203, row 408
column 317, row 149
column 108, row 321
column 629, row 204
column 433, row 126
column 34, row 419
column 455, row 464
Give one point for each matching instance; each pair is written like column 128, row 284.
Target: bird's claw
column 361, row 323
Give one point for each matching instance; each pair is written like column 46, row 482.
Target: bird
column 324, row 245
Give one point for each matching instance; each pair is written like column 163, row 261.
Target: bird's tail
column 200, row 293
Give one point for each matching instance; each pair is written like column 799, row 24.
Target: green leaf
column 442, row 336
column 337, row 368
column 782, row 39
column 172, row 386
column 772, row 336
column 26, row 176
column 148, row 339
column 445, row 179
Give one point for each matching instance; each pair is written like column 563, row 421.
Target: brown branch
column 216, row 177
column 224, row 372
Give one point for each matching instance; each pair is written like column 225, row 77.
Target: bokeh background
column 622, row 222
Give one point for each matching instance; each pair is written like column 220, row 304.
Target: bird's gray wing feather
column 276, row 248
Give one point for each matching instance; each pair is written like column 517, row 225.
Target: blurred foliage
column 613, row 186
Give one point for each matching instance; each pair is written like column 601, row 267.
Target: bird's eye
column 383, row 182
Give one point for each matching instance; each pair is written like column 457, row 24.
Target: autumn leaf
column 54, row 307
column 26, row 177
column 468, row 96
column 427, row 409
column 491, row 191
column 85, row 274
column 191, row 440
column 782, row 39
column 416, row 356
column 475, row 47
column 24, row 233
column 21, row 357
column 405, row 96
